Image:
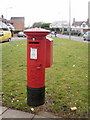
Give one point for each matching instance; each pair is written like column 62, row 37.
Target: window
column 5, row 29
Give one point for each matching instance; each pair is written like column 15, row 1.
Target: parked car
column 21, row 34
column 52, row 33
column 5, row 34
column 86, row 36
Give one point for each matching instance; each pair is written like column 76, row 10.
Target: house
column 81, row 26
column 18, row 23
column 62, row 25
column 3, row 19
column 59, row 24
column 4, row 23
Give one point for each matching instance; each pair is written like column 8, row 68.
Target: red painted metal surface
column 36, row 57
column 49, row 52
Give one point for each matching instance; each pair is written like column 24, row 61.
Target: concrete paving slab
column 0, row 118
column 46, row 114
column 38, row 116
column 2, row 109
column 16, row 114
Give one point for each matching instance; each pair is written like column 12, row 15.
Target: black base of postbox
column 35, row 96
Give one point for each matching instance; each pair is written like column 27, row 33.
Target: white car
column 86, row 36
column 53, row 33
column 21, row 34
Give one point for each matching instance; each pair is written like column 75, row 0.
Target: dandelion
column 17, row 100
column 69, row 87
column 13, row 99
column 73, row 65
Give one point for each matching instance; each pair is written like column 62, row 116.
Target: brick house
column 18, row 23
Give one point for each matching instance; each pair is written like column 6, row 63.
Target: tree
column 45, row 25
column 37, row 24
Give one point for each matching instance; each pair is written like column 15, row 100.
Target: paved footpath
column 9, row 113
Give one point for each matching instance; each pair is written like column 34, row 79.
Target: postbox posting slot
column 33, row 42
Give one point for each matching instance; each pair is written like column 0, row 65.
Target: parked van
column 5, row 34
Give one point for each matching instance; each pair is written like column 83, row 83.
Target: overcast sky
column 44, row 10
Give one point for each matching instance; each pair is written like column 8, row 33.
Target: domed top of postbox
column 36, row 32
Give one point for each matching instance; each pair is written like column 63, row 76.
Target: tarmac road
column 76, row 38
column 18, row 38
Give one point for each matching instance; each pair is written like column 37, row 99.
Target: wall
column 18, row 23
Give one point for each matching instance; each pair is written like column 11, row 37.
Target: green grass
column 66, row 80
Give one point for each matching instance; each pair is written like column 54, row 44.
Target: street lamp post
column 7, row 11
column 69, row 19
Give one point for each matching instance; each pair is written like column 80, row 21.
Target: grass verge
column 66, row 80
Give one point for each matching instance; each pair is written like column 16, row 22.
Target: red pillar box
column 36, row 63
